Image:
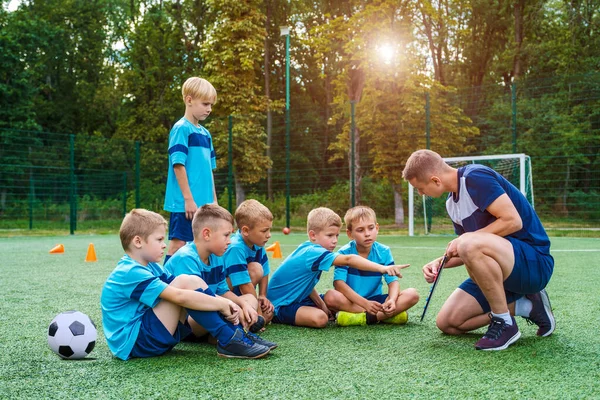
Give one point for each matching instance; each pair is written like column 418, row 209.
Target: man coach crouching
column 502, row 244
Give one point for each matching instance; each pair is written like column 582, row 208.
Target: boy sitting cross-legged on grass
column 357, row 295
column 246, row 262
column 145, row 309
column 212, row 226
column 292, row 286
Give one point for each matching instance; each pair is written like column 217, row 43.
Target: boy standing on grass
column 502, row 244
column 212, row 226
column 358, row 294
column 190, row 181
column 292, row 287
column 246, row 261
column 145, row 309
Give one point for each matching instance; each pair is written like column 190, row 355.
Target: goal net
column 427, row 215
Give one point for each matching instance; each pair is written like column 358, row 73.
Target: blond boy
column 246, row 262
column 190, row 181
column 212, row 226
column 357, row 295
column 145, row 309
column 292, row 287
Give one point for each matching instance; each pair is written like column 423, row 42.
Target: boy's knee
column 191, row 282
column 320, row 319
column 333, row 298
column 256, row 272
column 411, row 295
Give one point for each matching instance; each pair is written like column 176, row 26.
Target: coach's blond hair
column 252, row 212
column 357, row 214
column 139, row 222
column 422, row 164
column 322, row 218
column 209, row 215
column 199, row 88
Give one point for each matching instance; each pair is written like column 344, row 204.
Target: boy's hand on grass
column 372, row 307
column 394, row 270
column 265, row 304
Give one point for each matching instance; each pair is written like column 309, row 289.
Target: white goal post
column 516, row 168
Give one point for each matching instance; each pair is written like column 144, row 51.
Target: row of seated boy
column 218, row 285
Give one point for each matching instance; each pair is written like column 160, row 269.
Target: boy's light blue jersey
column 187, row 261
column 129, row 291
column 191, row 146
column 298, row 275
column 239, row 255
column 366, row 283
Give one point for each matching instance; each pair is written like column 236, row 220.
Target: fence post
column 513, row 89
column 31, row 193
column 72, row 206
column 352, row 150
column 230, row 165
column 124, row 193
column 427, row 122
column 137, row 174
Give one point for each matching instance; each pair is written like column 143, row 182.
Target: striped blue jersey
column 366, row 283
column 478, row 187
column 191, row 146
column 299, row 273
column 187, row 261
column 239, row 255
column 129, row 291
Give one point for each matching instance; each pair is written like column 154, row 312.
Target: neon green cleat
column 399, row 319
column 351, row 319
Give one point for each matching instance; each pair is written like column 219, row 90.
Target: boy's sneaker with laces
column 257, row 339
column 499, row 335
column 541, row 313
column 258, row 325
column 345, row 318
column 399, row 319
column 240, row 346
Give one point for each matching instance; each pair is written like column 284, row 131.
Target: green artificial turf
column 376, row 362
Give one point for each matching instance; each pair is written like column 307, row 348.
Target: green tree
column 233, row 56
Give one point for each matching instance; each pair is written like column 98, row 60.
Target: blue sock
column 213, row 322
column 167, row 258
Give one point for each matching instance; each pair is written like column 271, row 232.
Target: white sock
column 506, row 317
column 523, row 307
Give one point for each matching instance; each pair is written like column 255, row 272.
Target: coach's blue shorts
column 287, row 314
column 180, row 227
column 531, row 273
column 154, row 339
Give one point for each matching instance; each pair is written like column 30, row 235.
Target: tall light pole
column 285, row 31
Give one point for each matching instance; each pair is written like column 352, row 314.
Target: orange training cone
column 91, row 254
column 276, row 249
column 59, row 248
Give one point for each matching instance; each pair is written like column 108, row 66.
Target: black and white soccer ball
column 72, row 335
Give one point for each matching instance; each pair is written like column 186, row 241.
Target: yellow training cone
column 276, row 249
column 59, row 248
column 91, row 254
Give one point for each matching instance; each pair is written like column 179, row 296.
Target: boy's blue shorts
column 287, row 314
column 154, row 339
column 380, row 298
column 531, row 273
column 180, row 227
